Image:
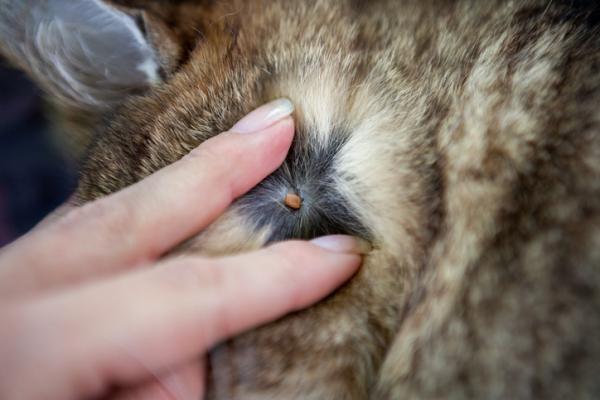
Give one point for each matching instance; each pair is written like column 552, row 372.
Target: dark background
column 35, row 177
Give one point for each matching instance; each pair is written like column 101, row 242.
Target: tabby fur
column 461, row 138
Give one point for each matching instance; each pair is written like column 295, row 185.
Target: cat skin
column 461, row 138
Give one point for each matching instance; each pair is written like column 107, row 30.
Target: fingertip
column 276, row 140
column 309, row 272
column 243, row 160
column 319, row 262
column 343, row 244
column 264, row 116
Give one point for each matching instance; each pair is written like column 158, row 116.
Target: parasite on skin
column 293, row 201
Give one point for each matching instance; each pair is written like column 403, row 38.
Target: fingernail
column 343, row 244
column 264, row 116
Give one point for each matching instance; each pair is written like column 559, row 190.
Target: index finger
column 143, row 221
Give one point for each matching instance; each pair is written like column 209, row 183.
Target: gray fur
column 83, row 52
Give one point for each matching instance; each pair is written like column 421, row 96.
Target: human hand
column 88, row 308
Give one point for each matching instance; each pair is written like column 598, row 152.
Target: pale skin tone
column 88, row 308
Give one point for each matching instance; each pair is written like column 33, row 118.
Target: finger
column 145, row 220
column 185, row 383
column 56, row 215
column 160, row 317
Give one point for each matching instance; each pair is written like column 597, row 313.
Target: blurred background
column 35, row 176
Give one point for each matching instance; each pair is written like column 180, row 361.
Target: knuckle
column 220, row 152
column 110, row 220
column 286, row 274
column 206, row 153
column 219, row 163
column 292, row 253
column 195, row 273
column 121, row 223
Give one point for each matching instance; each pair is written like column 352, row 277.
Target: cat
column 461, row 138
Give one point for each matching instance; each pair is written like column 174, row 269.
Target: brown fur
column 470, row 154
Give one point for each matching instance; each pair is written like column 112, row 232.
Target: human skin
column 88, row 308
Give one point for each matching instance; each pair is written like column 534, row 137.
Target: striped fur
column 462, row 138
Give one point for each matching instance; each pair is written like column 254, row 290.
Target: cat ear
column 83, row 52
